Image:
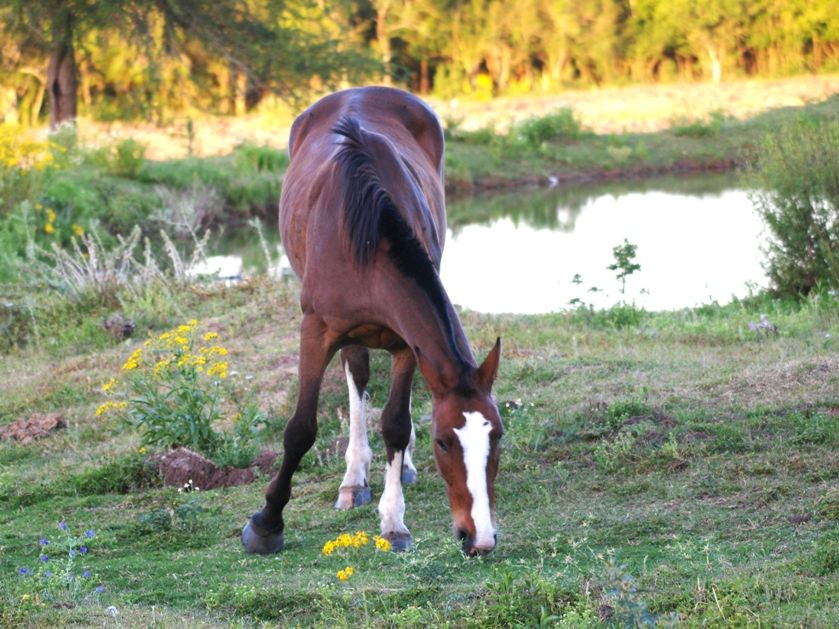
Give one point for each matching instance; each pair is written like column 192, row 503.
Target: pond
column 531, row 251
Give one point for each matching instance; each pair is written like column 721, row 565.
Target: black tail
column 371, row 213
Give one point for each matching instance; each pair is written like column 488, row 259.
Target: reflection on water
column 698, row 240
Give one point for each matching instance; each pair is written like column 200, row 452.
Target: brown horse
column 362, row 217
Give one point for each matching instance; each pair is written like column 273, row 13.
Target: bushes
column 797, row 176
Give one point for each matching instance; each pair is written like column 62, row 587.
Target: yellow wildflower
column 209, row 336
column 220, row 370
column 141, row 450
column 110, row 405
column 192, row 322
column 161, row 365
column 165, row 336
column 51, row 215
column 184, row 328
column 344, row 574
column 48, row 228
column 134, row 360
column 108, row 385
column 182, row 340
column 328, row 548
column 77, row 229
column 344, row 540
column 382, row 544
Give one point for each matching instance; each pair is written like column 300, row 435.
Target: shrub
column 557, row 126
column 797, row 177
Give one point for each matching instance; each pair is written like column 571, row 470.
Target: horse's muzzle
column 473, row 549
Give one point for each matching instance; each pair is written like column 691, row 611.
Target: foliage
column 624, row 263
column 181, row 510
column 55, row 579
column 173, row 394
column 700, row 128
column 560, row 126
column 798, row 196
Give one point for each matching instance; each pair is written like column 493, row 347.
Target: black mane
column 370, row 214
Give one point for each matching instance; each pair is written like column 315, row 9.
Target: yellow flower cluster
column 134, row 360
column 345, row 574
column 110, row 405
column 359, row 539
column 177, row 348
column 21, row 153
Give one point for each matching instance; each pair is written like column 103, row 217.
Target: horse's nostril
column 462, row 534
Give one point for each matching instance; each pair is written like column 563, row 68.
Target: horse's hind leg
column 264, row 533
column 396, row 430
column 355, row 490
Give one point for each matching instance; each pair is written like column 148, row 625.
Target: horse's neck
column 439, row 337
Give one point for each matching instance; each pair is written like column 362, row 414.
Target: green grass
column 554, row 147
column 673, row 467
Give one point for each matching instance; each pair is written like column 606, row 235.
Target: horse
column 363, row 222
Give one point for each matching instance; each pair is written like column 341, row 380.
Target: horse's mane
column 370, row 213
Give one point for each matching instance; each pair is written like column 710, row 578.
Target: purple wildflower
column 83, row 550
column 23, row 571
column 89, row 533
column 62, row 525
column 44, row 559
column 100, row 588
column 69, row 578
column 86, row 574
column 47, row 573
column 43, row 541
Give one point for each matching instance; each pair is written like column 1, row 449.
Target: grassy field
column 670, row 467
column 673, row 468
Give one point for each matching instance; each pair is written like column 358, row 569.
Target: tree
column 264, row 42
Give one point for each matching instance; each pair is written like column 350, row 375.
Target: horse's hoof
column 409, row 475
column 257, row 542
column 399, row 542
column 349, row 497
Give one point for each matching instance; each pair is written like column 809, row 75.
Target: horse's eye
column 442, row 445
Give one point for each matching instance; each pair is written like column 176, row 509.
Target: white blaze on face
column 474, row 439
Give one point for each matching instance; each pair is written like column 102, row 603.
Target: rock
column 36, row 427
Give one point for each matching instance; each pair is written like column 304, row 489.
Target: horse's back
column 314, row 192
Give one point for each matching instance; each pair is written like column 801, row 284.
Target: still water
column 698, row 240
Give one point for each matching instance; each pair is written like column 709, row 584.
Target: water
column 698, row 241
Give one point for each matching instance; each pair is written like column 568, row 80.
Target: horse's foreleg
column 355, row 490
column 396, row 430
column 264, row 533
column 409, row 472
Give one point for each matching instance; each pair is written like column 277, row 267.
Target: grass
column 678, row 467
column 481, row 159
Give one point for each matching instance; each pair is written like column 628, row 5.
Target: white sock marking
column 392, row 502
column 474, row 439
column 359, row 454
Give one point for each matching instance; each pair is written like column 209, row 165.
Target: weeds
column 58, row 577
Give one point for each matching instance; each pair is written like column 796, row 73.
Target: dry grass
column 642, row 108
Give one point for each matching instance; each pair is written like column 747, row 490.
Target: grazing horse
column 363, row 221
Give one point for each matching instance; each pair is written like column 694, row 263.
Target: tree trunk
column 424, row 83
column 61, row 72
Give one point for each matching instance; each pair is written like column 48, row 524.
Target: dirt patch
column 36, row 427
column 181, row 466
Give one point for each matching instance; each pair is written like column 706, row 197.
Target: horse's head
column 467, row 429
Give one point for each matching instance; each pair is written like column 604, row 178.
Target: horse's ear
column 432, row 375
column 488, row 370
